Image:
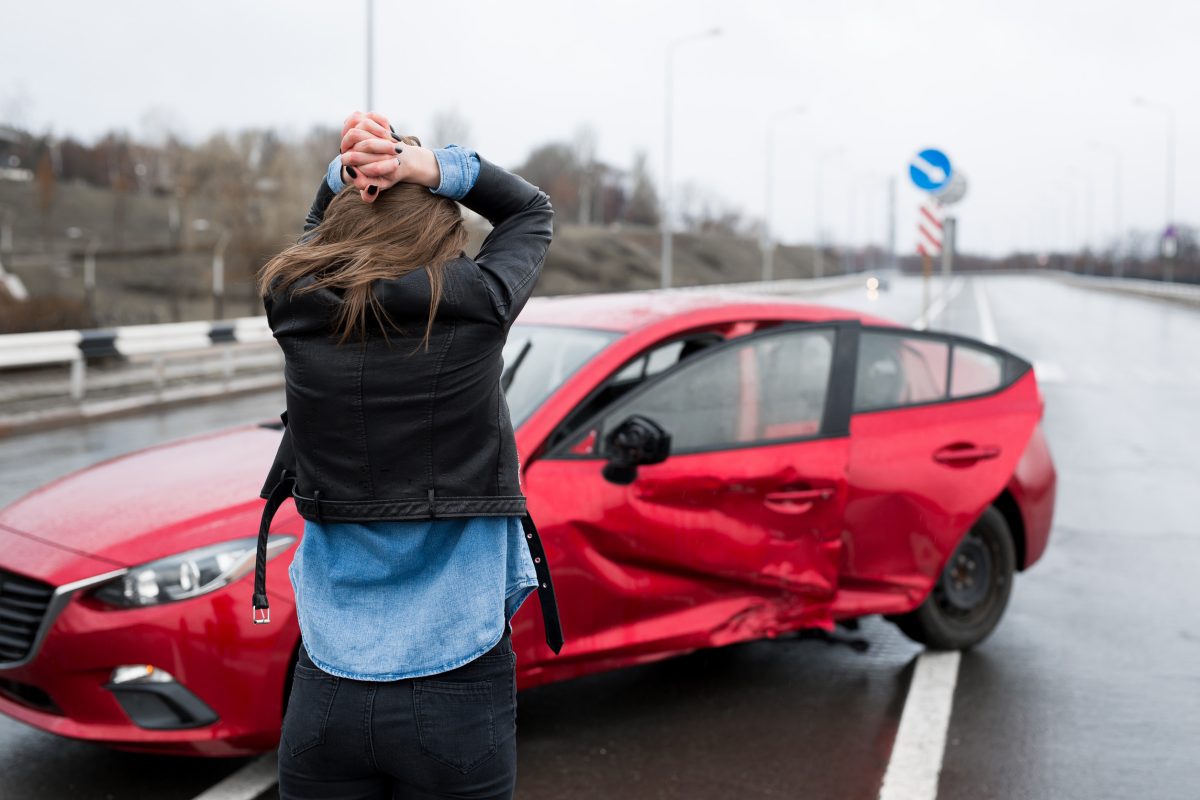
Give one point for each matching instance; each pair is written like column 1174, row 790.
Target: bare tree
column 642, row 207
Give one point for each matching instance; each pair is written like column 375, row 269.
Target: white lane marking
column 920, row 744
column 247, row 783
column 938, row 305
column 987, row 323
column 1049, row 372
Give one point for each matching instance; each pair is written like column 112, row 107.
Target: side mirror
column 636, row 441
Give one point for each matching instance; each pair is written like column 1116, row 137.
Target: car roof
column 628, row 311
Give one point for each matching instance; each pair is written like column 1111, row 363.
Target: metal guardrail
column 76, row 348
column 1186, row 292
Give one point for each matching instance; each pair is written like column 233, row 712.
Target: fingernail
column 372, row 189
column 394, row 136
column 399, row 149
column 350, row 171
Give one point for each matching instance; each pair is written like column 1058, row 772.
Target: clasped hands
column 374, row 158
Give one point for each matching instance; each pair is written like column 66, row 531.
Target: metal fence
column 156, row 345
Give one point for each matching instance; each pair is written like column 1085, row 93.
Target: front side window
column 768, row 388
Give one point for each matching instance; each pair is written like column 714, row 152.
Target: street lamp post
column 1116, row 190
column 667, row 210
column 370, row 55
column 6, row 239
column 218, row 275
column 818, row 245
column 1089, row 205
column 768, row 243
column 1169, row 111
column 89, row 267
column 218, row 265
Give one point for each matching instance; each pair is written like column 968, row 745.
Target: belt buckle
column 262, row 618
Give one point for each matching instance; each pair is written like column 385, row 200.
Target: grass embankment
column 143, row 277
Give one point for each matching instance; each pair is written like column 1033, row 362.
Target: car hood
column 151, row 502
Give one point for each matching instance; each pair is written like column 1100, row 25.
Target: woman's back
column 399, row 454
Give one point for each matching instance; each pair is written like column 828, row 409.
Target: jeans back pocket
column 308, row 708
column 456, row 721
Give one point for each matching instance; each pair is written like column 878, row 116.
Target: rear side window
column 975, row 371
column 895, row 370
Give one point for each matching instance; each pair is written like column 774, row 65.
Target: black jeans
column 452, row 734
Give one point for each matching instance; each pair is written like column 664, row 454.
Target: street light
column 667, row 210
column 370, row 55
column 6, row 238
column 89, row 266
column 818, row 251
column 768, row 245
column 1170, row 189
column 218, row 265
column 1089, row 205
column 1116, row 211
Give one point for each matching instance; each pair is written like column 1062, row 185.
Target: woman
column 399, row 454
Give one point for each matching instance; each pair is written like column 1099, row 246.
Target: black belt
column 283, row 490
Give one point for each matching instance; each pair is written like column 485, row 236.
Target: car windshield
column 538, row 358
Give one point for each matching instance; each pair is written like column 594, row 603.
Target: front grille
column 23, row 604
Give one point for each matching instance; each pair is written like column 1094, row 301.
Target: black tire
column 969, row 598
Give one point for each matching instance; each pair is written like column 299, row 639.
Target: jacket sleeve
column 316, row 212
column 511, row 258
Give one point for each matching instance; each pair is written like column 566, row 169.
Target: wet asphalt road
column 1090, row 688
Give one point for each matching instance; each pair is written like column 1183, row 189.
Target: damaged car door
column 736, row 533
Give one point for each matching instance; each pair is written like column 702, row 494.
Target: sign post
column 931, row 171
column 929, row 244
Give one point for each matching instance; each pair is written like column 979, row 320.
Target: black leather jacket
column 391, row 431
column 378, row 431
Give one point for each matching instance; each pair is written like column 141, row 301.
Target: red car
column 704, row 469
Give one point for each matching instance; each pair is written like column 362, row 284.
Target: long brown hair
column 407, row 228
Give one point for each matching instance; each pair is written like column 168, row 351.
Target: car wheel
column 970, row 596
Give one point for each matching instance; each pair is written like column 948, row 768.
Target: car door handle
column 965, row 454
column 795, row 501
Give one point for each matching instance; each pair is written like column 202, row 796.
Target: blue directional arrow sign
column 930, row 169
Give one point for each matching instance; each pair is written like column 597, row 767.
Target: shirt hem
column 399, row 676
column 421, row 673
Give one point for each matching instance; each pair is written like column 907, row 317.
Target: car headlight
column 186, row 575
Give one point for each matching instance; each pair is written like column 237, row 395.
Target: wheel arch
column 1007, row 505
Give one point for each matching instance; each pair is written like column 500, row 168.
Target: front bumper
column 221, row 661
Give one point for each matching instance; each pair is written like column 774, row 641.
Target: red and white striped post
column 929, row 244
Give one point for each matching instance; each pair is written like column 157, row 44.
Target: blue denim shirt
column 386, row 600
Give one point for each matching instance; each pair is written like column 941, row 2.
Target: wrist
column 424, row 164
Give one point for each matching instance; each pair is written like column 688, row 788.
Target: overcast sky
column 1016, row 92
